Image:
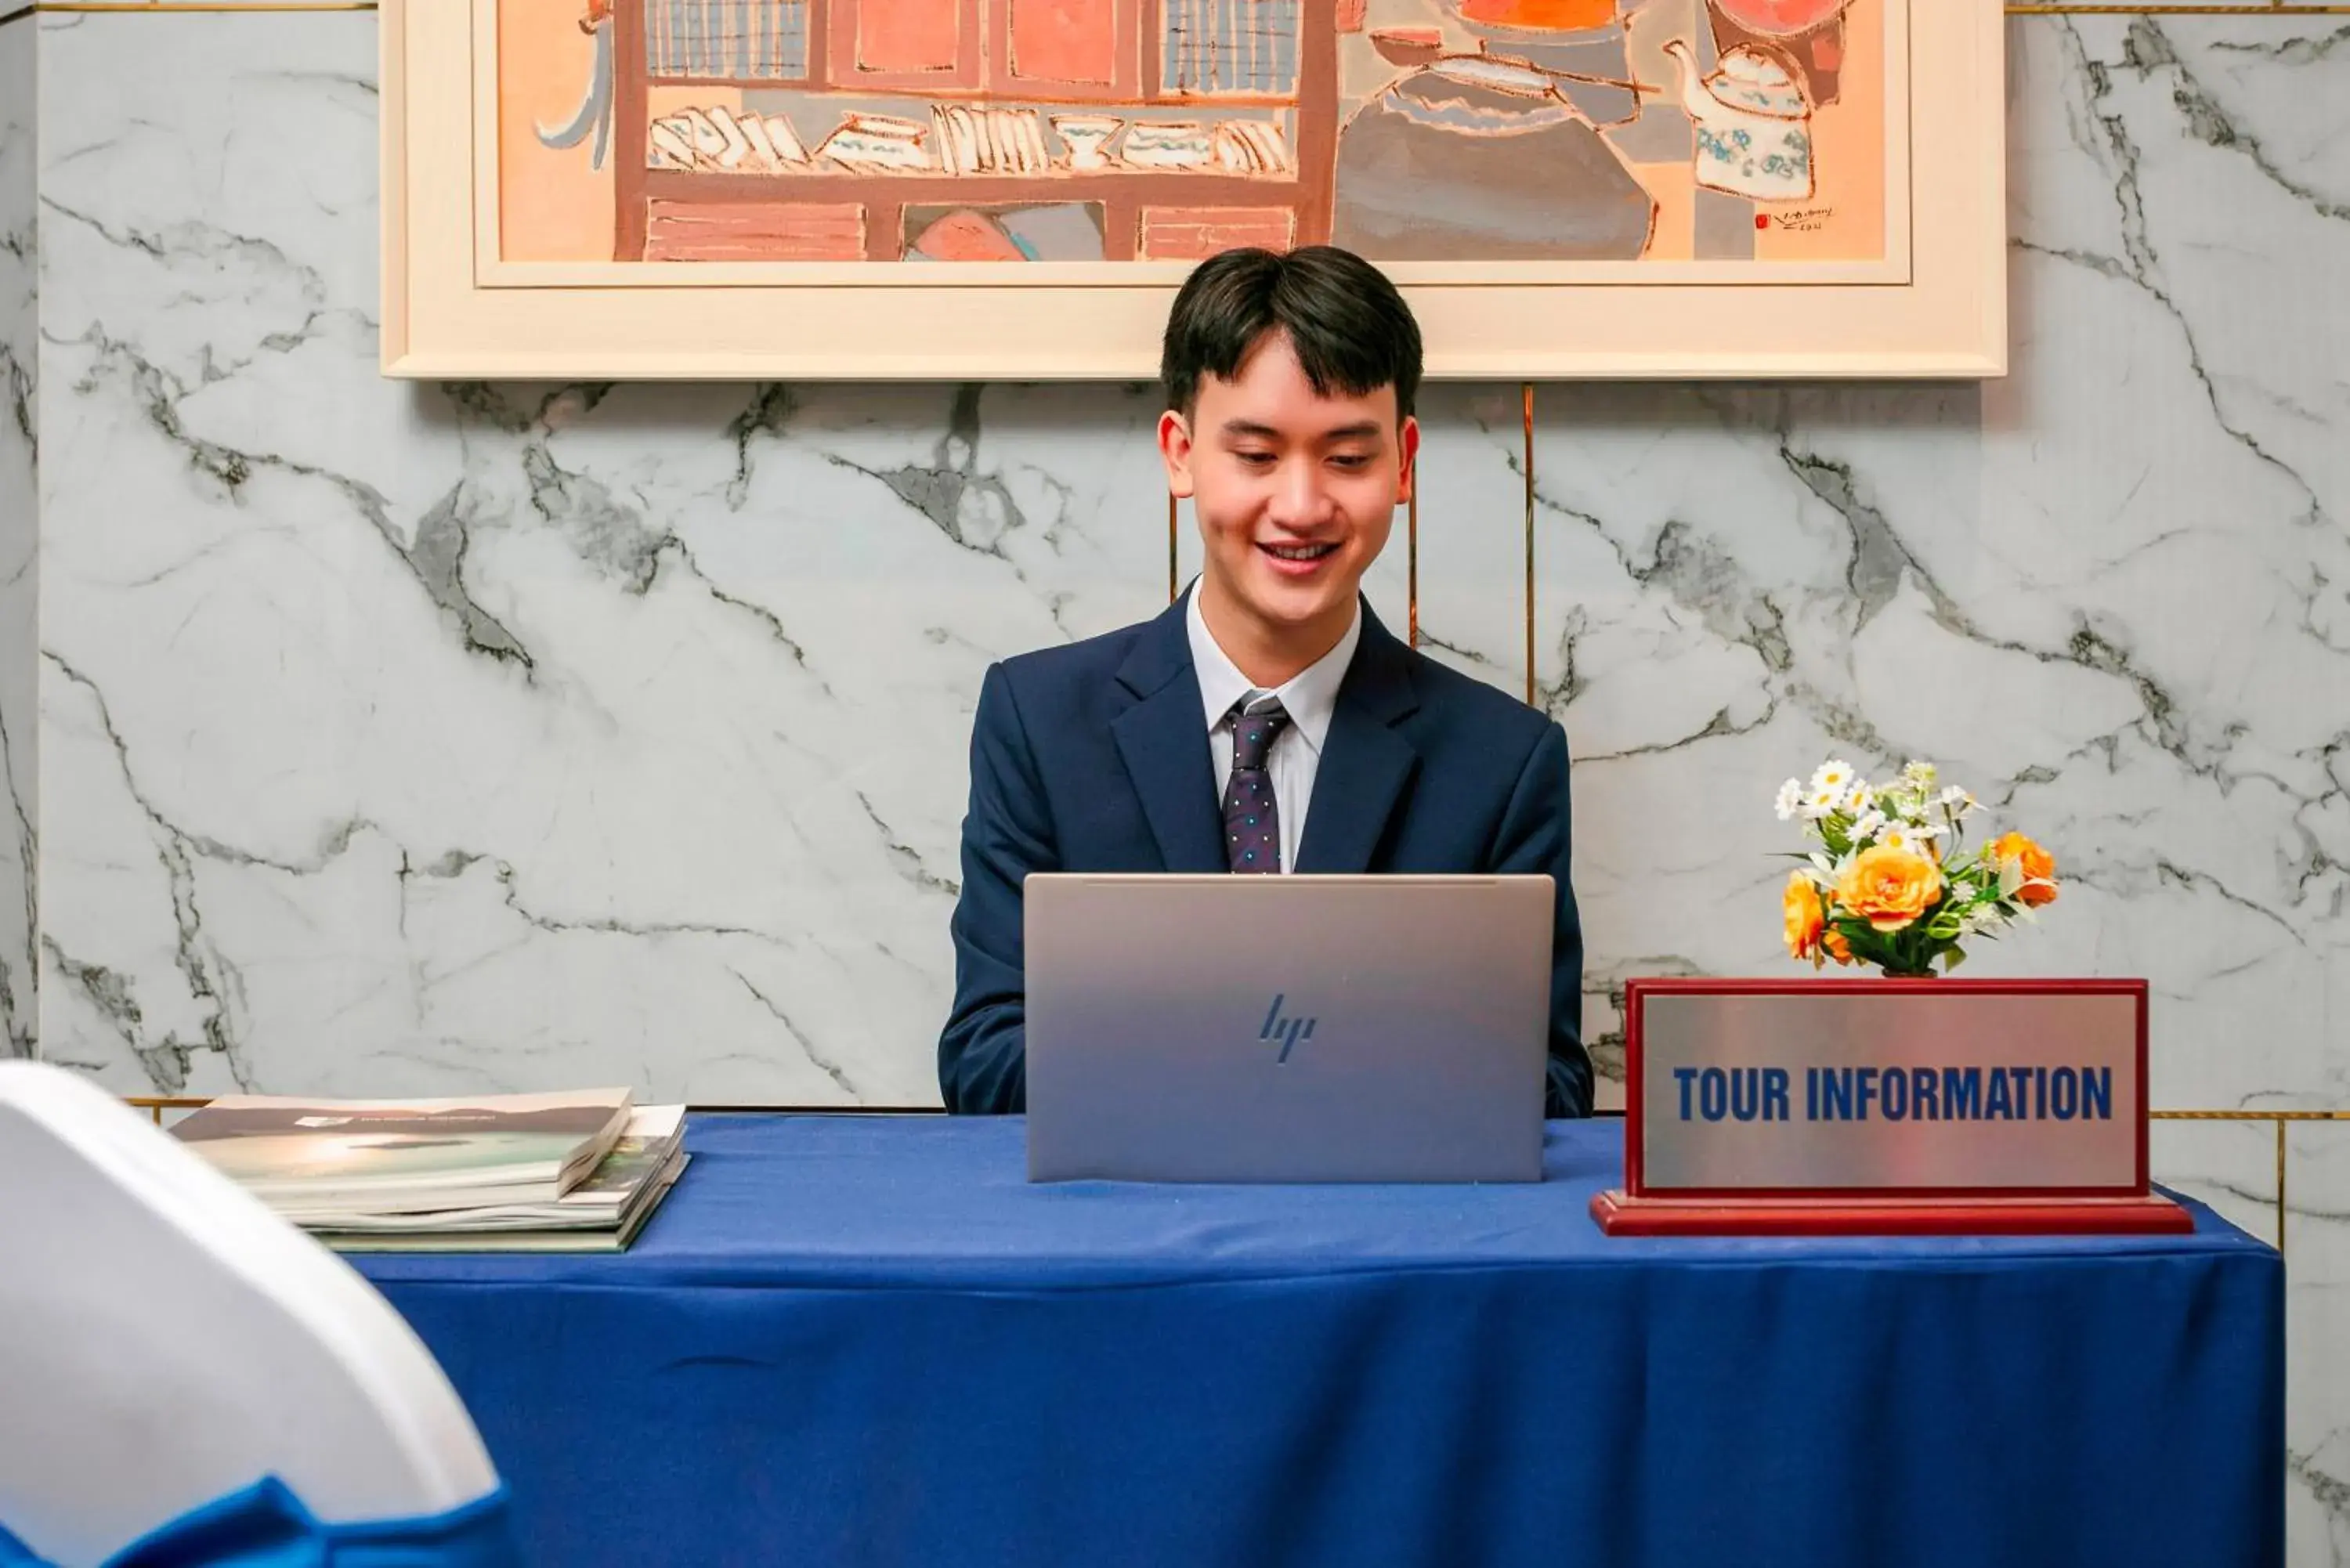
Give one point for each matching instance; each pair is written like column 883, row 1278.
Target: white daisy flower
column 1791, row 798
column 1860, row 799
column 1834, row 777
column 1867, row 825
column 1958, row 802
column 1980, row 919
column 1908, row 836
column 1823, row 803
column 1920, row 773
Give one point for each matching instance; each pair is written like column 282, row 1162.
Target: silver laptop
column 1286, row 1028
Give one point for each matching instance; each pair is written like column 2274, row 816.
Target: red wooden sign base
column 1620, row 1214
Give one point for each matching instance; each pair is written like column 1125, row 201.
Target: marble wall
column 402, row 738
column 19, row 509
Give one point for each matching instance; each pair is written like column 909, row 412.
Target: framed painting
column 1014, row 189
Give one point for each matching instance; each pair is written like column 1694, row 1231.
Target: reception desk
column 869, row 1340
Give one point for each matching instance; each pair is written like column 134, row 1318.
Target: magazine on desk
column 607, row 1200
column 305, row 1156
column 536, row 1239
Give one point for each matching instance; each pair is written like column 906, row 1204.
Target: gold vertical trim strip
column 1526, row 416
column 1411, row 558
column 2280, row 1127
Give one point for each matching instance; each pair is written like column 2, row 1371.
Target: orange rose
column 2039, row 867
column 1889, row 887
column 1804, row 918
column 1837, row 948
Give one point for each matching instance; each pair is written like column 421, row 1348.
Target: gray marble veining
column 403, row 738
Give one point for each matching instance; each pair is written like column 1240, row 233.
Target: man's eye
column 1256, row 459
column 1352, row 461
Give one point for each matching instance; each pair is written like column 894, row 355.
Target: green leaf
column 1868, row 944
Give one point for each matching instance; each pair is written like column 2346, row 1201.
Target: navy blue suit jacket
column 1094, row 757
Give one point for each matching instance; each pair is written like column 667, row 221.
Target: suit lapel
column 1365, row 764
column 1163, row 741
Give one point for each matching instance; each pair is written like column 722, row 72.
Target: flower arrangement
column 1891, row 884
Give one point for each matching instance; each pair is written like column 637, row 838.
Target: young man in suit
column 1267, row 721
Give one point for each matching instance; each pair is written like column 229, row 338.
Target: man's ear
column 1175, row 450
column 1409, row 442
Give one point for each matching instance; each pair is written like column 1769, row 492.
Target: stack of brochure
column 563, row 1172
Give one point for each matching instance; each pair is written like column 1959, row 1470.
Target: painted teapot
column 1753, row 124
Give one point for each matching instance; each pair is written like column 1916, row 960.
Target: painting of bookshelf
column 1163, row 130
column 969, row 129
column 1742, row 187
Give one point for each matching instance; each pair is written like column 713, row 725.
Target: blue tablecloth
column 265, row 1525
column 869, row 1341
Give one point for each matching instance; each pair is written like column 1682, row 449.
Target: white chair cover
column 165, row 1340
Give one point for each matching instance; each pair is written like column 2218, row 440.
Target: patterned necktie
column 1251, row 819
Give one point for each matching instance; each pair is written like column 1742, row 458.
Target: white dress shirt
column 1310, row 698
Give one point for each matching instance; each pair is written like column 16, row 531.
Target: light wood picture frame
column 668, row 246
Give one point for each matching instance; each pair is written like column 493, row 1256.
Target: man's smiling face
column 1295, row 491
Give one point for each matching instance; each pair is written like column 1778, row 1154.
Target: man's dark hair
column 1351, row 330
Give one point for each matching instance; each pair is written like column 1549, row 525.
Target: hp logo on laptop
column 1290, row 1032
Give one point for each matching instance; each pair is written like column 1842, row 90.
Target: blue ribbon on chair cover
column 265, row 1526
